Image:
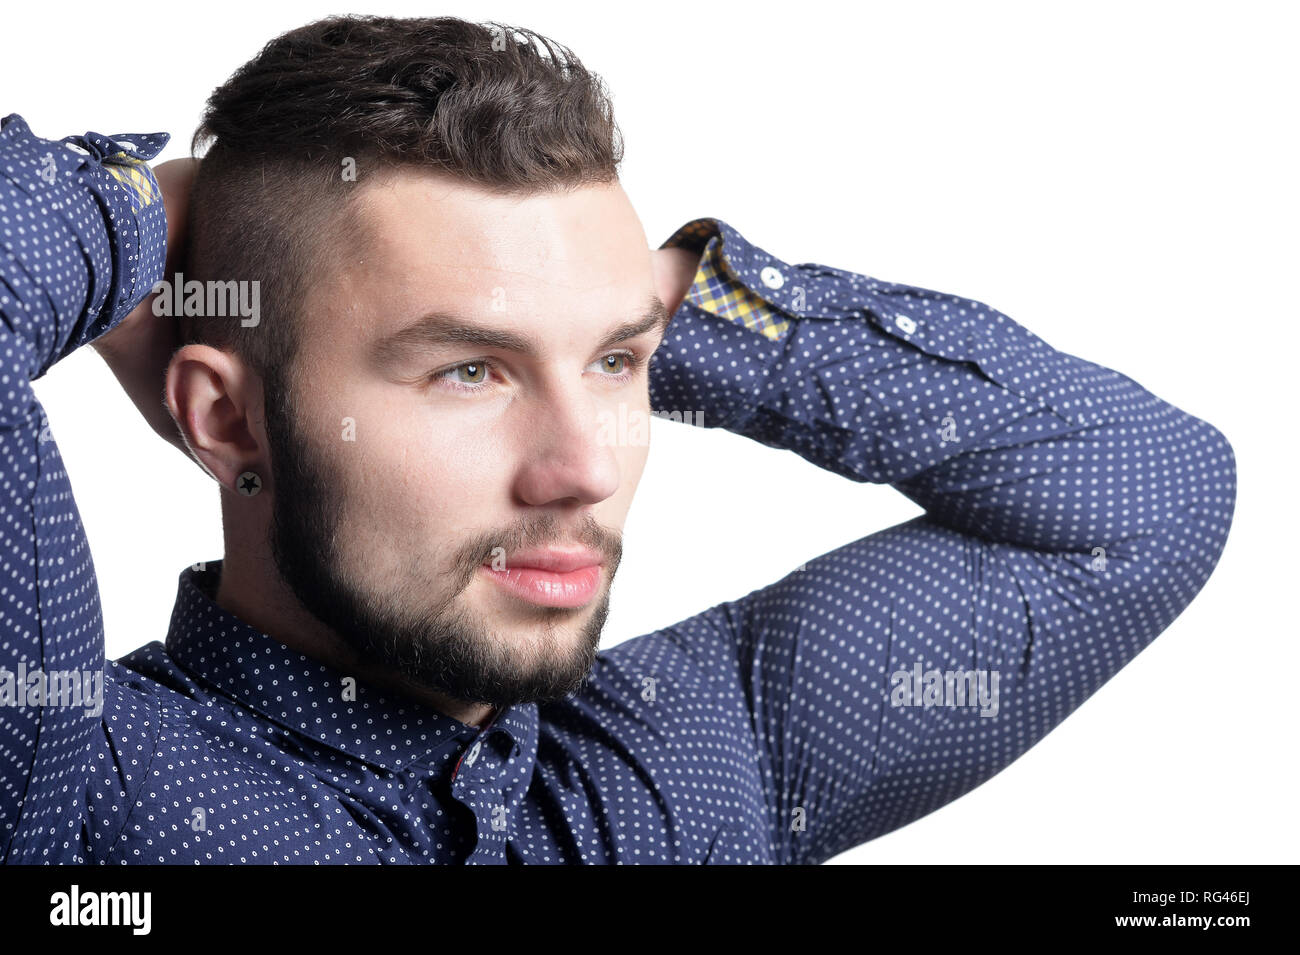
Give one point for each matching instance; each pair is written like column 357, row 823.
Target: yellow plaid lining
column 717, row 289
column 133, row 174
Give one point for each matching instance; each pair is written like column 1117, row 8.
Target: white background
column 1120, row 178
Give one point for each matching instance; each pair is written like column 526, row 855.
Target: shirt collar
column 308, row 697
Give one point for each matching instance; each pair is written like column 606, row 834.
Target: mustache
column 542, row 531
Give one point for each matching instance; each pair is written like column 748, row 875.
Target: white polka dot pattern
column 1070, row 517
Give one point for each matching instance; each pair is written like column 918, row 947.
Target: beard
column 439, row 643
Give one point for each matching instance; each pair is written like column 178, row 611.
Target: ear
column 216, row 401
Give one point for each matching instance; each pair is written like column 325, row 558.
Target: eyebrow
column 441, row 328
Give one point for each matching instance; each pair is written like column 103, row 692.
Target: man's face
column 469, row 428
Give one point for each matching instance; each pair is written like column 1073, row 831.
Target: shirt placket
column 481, row 782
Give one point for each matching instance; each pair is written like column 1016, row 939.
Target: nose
column 563, row 459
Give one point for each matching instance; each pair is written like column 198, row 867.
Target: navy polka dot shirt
column 1070, row 516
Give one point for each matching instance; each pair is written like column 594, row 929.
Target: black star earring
column 248, row 484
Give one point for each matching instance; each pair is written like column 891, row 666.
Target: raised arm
column 1071, row 515
column 82, row 238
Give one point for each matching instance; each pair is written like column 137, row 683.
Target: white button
column 771, row 277
column 472, row 754
column 906, row 324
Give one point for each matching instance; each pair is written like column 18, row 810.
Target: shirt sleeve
column 82, row 241
column 1070, row 517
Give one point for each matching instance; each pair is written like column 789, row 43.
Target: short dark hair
column 498, row 106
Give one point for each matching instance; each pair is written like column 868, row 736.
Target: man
column 406, row 323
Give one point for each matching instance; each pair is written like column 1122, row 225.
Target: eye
column 473, row 376
column 619, row 366
column 467, row 376
column 618, row 363
column 475, row 372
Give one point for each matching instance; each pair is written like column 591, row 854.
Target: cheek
column 627, row 425
column 631, row 465
column 410, row 475
column 419, row 497
column 441, row 475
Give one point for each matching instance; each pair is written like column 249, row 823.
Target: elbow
column 1219, row 500
column 1209, row 499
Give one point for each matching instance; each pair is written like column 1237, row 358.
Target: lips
column 555, row 561
column 550, row 578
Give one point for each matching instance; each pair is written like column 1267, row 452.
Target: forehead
column 431, row 242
